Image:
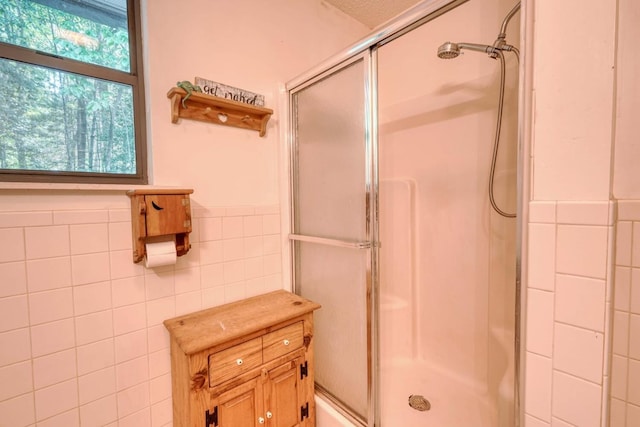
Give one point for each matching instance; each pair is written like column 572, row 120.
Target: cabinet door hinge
column 211, row 418
column 304, row 370
column 304, row 411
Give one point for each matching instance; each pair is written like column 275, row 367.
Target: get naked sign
column 229, row 92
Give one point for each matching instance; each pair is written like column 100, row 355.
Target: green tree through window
column 71, row 100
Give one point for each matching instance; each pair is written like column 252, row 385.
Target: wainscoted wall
column 625, row 362
column 81, row 334
column 568, row 306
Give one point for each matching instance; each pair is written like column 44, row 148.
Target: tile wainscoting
column 81, row 334
column 568, row 306
column 625, row 359
column 583, row 315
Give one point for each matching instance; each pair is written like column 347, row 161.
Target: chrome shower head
column 450, row 50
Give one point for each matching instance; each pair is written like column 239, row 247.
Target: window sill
column 54, row 186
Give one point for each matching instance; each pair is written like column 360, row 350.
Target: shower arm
column 477, row 47
column 500, row 42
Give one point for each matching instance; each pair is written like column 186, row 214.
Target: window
column 72, row 95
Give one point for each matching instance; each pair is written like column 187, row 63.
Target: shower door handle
column 331, row 242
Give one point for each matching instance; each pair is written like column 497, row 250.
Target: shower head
column 450, row 50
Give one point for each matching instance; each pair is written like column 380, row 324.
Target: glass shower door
column 331, row 231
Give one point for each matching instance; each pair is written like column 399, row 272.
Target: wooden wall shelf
column 212, row 109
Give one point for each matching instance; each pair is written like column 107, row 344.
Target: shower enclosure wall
column 393, row 231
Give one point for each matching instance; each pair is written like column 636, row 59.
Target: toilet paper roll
column 160, row 253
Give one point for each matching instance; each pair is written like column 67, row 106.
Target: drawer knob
column 285, row 342
column 261, row 420
column 269, row 414
column 239, row 362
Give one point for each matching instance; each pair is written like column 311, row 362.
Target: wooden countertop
column 213, row 326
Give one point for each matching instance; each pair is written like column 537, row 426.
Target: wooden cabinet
column 248, row 363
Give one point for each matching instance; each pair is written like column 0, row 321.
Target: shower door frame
column 367, row 48
column 371, row 195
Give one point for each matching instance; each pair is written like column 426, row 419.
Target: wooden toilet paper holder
column 160, row 213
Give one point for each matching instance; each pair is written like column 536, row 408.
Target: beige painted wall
column 254, row 45
column 626, row 173
column 573, row 71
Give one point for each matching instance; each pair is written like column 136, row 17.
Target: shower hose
column 496, row 141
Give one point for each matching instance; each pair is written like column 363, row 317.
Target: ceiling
column 372, row 12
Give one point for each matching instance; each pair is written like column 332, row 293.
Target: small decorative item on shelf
column 189, row 88
column 189, row 102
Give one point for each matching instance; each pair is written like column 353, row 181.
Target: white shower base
column 453, row 402
column 326, row 416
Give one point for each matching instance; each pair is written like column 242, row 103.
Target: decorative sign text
column 229, row 92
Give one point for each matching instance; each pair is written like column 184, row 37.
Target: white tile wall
column 542, row 256
column 15, row 346
column 96, row 385
column 633, row 415
column 588, row 365
column 580, row 301
column 47, row 242
column 49, row 273
column 66, row 419
column 54, row 368
column 569, row 270
column 14, row 312
column 15, row 380
column 81, row 335
column 56, row 399
column 14, row 277
column 95, row 356
column 538, row 386
column 18, row 411
column 625, row 373
column 582, row 250
column 633, row 382
column 540, row 323
column 576, row 401
column 530, row 421
column 99, row 412
column 52, row 337
column 52, row 305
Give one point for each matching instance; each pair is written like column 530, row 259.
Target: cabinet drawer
column 282, row 341
column 234, row 361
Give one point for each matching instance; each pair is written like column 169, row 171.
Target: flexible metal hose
column 496, row 141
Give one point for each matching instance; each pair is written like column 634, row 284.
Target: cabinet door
column 167, row 214
column 241, row 406
column 282, row 400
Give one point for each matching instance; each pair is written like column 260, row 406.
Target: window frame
column 133, row 78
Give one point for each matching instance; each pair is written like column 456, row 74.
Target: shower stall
column 404, row 189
